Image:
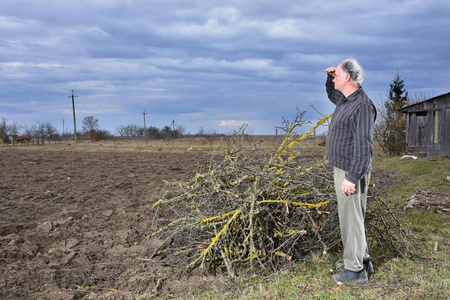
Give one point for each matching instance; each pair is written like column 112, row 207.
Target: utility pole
column 74, row 120
column 173, row 130
column 145, row 127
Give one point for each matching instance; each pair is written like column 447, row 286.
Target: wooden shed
column 428, row 127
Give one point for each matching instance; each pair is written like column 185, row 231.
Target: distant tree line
column 45, row 132
column 133, row 131
column 12, row 132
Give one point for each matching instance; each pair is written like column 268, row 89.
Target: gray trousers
column 351, row 211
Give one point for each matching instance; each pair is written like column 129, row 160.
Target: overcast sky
column 209, row 64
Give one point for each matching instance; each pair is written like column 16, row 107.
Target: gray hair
column 351, row 67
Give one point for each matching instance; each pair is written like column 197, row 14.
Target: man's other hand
column 348, row 187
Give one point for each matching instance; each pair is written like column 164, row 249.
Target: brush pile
column 256, row 210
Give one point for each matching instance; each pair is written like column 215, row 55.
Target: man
column 349, row 147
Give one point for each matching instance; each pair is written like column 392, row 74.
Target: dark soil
column 73, row 225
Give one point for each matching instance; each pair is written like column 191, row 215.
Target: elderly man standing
column 349, row 147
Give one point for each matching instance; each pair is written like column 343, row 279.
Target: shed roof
column 409, row 107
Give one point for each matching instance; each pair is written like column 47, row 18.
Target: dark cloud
column 209, row 64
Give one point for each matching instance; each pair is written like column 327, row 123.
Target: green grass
column 394, row 279
column 423, row 173
column 425, row 276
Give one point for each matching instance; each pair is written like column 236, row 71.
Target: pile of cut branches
column 258, row 210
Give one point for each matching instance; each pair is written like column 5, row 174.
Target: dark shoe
column 368, row 266
column 350, row 276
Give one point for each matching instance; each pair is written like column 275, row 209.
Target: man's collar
column 355, row 94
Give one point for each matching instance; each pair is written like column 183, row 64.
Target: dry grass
column 311, row 145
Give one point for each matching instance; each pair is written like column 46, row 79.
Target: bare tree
column 141, row 132
column 201, row 131
column 9, row 129
column 211, row 136
column 51, row 132
column 28, row 131
column 14, row 130
column 4, row 129
column 39, row 132
column 121, row 130
column 132, row 131
column 90, row 126
column 180, row 130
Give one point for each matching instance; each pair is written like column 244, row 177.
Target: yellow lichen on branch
column 215, row 218
column 283, row 146
column 214, row 240
column 295, row 203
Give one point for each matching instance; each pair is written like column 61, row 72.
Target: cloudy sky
column 206, row 63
